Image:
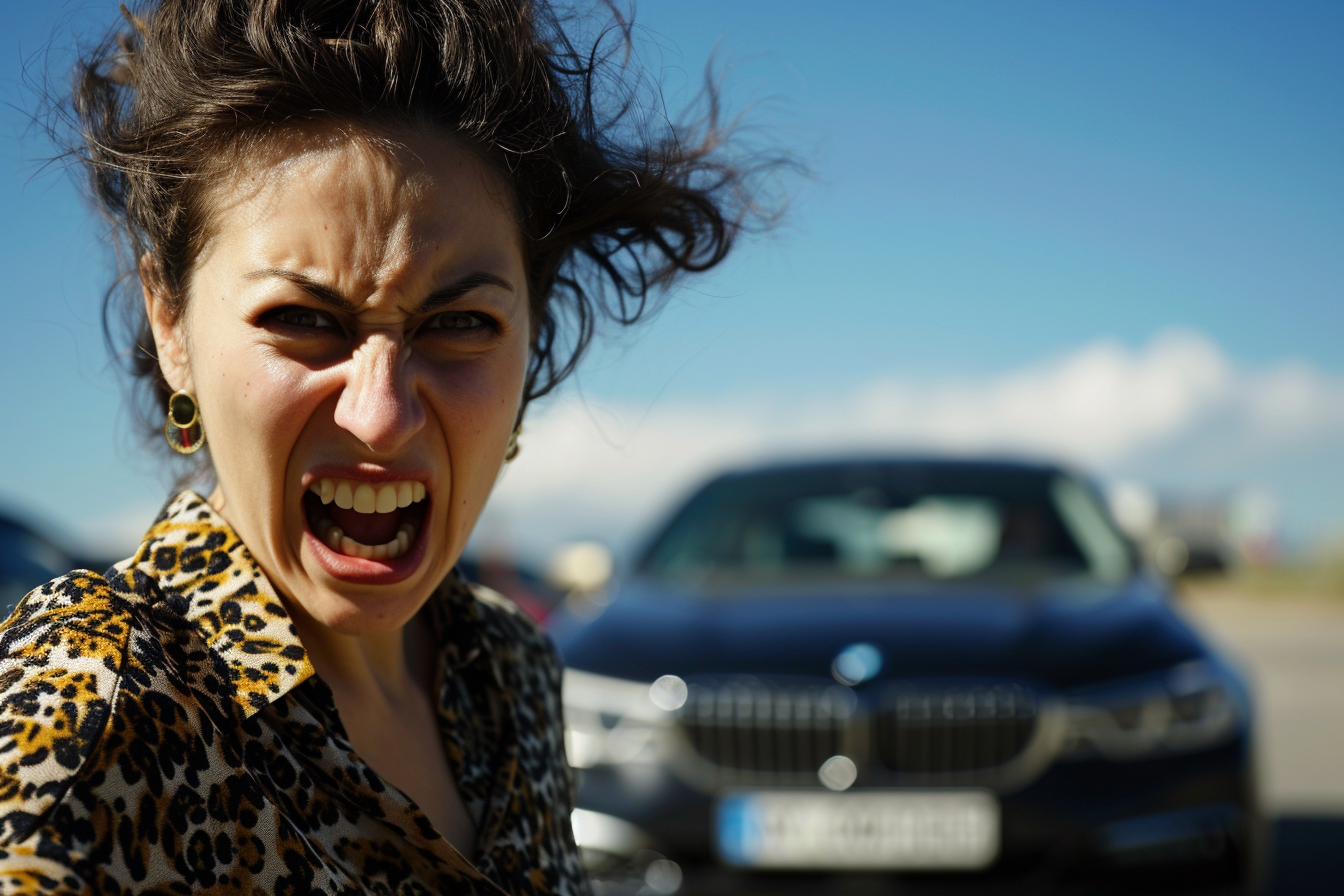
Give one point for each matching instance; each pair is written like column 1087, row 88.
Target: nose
column 379, row 405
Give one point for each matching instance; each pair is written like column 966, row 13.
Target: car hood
column 1065, row 638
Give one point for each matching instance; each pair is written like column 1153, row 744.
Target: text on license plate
column 877, row 829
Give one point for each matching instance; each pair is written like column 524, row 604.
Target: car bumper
column 1190, row 820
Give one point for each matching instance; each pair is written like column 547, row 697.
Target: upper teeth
column 365, row 497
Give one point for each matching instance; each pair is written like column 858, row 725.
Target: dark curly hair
column 615, row 200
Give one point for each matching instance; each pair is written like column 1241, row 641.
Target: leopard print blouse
column 163, row 731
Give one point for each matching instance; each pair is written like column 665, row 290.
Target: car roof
column 897, row 463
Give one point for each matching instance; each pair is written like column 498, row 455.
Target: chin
column 358, row 616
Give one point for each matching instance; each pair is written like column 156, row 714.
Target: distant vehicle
column 518, row 583
column 27, row 559
column 915, row 667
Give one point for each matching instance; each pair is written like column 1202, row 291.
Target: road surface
column 1293, row 650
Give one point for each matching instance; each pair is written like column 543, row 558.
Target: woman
column 367, row 233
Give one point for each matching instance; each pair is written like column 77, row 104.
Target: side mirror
column 583, row 567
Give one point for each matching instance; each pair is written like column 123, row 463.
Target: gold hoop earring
column 184, row 431
column 512, row 451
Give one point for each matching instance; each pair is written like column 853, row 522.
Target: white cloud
column 1292, row 402
column 592, row 467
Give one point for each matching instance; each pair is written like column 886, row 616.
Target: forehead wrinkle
column 366, row 208
column 416, row 235
column 251, row 165
column 371, row 228
column 401, row 246
column 322, row 183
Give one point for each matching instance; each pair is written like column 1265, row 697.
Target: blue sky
column 1006, row 199
column 1049, row 172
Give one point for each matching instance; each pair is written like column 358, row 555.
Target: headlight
column 1190, row 707
column 614, row 721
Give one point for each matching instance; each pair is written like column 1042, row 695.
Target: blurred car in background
column 517, row 582
column 28, row 559
column 951, row 669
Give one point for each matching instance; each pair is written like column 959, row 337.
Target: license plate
column 874, row 829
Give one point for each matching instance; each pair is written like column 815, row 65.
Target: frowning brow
column 324, row 294
column 439, row 298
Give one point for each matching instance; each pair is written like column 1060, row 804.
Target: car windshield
column 1015, row 525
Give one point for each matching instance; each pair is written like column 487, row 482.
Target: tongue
column 366, row 528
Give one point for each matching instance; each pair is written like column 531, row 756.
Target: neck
column 388, row 666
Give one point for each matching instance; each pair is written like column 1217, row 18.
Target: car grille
column 752, row 728
column 760, row 733
column 953, row 730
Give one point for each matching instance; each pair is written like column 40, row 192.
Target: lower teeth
column 338, row 541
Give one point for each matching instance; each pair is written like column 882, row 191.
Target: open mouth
column 372, row 521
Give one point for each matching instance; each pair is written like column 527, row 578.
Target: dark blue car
column 946, row 670
column 28, row 559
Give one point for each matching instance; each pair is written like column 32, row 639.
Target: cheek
column 474, row 408
column 474, row 399
column 255, row 406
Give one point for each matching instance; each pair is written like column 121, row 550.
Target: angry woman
column 361, row 236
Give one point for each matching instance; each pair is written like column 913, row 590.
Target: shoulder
column 78, row 620
column 525, row 659
column 506, row 622
column 62, row 652
column 514, row 630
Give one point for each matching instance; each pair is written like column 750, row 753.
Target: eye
column 298, row 317
column 462, row 322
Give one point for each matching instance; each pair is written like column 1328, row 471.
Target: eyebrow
column 437, row 299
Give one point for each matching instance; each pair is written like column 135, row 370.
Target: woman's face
column 356, row 334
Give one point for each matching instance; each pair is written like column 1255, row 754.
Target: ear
column 170, row 338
